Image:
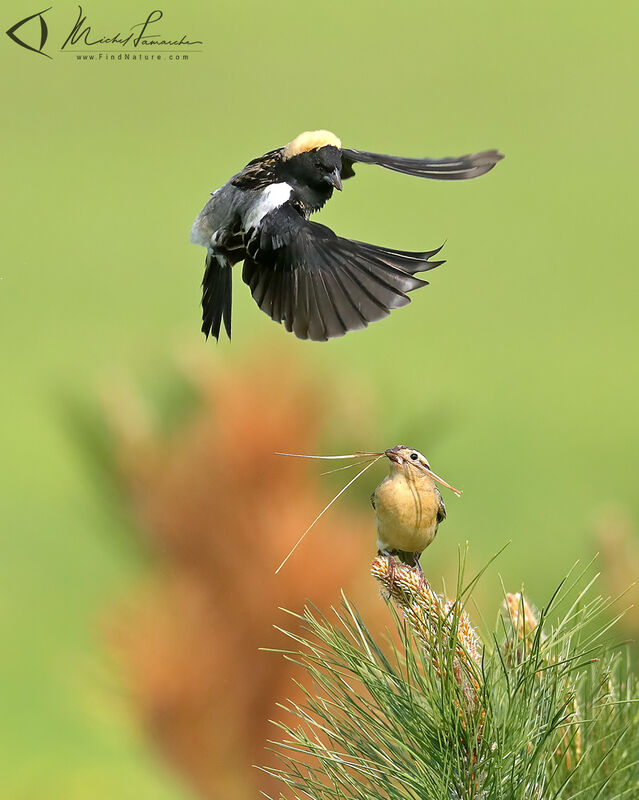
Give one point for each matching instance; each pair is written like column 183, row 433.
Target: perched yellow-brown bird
column 408, row 505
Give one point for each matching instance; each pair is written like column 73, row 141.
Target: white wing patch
column 271, row 198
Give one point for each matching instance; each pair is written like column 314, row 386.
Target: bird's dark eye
column 414, row 456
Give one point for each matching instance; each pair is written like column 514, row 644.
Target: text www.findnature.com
column 131, row 57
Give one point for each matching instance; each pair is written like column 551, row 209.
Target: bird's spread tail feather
column 217, row 296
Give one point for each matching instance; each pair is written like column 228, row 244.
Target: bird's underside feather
column 460, row 168
column 321, row 286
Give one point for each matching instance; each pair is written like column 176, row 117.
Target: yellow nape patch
column 311, row 140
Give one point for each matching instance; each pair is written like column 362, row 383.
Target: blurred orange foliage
column 218, row 510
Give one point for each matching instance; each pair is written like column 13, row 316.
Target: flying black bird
column 301, row 273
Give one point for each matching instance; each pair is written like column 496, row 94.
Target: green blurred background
column 515, row 371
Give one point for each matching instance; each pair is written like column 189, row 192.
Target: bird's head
column 413, row 464
column 314, row 159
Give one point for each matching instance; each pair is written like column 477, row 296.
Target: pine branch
column 539, row 710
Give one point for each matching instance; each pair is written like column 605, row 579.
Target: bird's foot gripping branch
column 538, row 707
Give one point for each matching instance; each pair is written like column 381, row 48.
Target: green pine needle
column 552, row 712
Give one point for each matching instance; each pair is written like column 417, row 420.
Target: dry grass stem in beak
column 435, row 477
column 339, row 469
column 328, row 458
column 323, row 511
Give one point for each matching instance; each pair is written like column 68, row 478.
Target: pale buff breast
column 406, row 513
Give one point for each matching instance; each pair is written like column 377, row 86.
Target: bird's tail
column 217, row 295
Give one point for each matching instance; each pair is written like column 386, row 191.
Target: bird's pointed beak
column 335, row 179
column 393, row 455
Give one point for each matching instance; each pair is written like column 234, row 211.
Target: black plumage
column 319, row 285
column 445, row 169
column 304, row 276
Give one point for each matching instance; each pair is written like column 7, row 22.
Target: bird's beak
column 335, row 179
column 392, row 455
column 442, row 481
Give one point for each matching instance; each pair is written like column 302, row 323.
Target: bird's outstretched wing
column 448, row 169
column 319, row 285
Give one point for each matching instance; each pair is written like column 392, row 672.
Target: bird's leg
column 417, row 566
